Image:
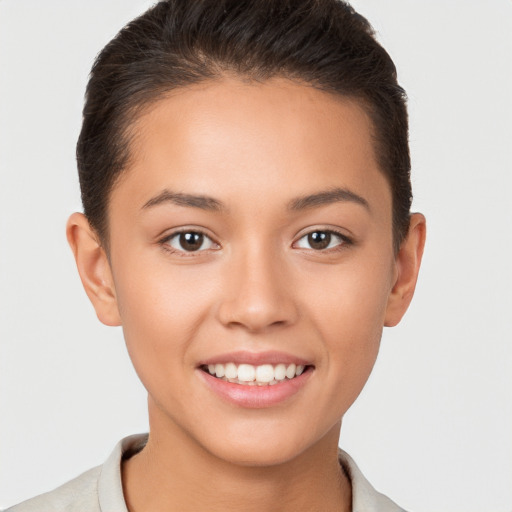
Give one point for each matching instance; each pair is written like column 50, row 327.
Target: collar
column 110, row 488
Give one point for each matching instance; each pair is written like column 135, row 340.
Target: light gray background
column 433, row 428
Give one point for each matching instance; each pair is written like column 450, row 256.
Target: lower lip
column 256, row 397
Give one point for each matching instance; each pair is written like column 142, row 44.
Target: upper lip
column 255, row 358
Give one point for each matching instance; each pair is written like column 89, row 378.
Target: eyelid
column 345, row 239
column 164, row 240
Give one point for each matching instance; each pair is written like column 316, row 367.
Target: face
column 252, row 261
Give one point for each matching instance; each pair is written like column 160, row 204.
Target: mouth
column 256, row 375
column 256, row 380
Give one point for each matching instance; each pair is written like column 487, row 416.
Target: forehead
column 236, row 140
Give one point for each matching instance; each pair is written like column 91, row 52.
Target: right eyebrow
column 188, row 200
column 325, row 197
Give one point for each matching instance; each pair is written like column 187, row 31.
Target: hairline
column 148, row 99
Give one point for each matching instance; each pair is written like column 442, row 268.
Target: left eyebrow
column 326, row 197
column 187, row 200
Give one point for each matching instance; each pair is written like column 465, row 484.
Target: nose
column 258, row 292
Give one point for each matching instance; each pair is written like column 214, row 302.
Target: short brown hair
column 176, row 43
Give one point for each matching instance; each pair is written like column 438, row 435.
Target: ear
column 94, row 268
column 407, row 264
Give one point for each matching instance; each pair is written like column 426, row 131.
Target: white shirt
column 100, row 489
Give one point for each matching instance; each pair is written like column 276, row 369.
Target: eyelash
column 344, row 240
column 165, row 242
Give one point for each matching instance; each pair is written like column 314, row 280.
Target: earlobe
column 94, row 268
column 408, row 263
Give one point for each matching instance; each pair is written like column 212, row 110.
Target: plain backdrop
column 433, row 427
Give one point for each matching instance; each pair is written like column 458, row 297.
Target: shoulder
column 77, row 495
column 365, row 498
column 98, row 490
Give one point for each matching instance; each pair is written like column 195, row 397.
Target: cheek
column 161, row 311
column 352, row 298
column 350, row 316
column 154, row 293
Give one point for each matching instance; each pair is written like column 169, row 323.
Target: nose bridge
column 258, row 294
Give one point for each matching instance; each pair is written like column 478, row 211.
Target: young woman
column 244, row 170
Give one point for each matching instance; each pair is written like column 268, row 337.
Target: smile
column 251, row 375
column 255, row 380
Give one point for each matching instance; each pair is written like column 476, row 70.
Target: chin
column 258, row 455
column 260, row 447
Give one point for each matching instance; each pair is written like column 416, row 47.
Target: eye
column 321, row 239
column 190, row 241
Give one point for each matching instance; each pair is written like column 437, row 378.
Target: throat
column 155, row 480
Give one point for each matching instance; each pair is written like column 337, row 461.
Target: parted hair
column 176, row 43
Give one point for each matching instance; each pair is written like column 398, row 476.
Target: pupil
column 319, row 239
column 191, row 241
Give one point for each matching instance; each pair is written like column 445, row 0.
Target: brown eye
column 190, row 241
column 321, row 239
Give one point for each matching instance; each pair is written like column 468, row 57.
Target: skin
column 258, row 286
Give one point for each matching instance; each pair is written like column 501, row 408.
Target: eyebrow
column 207, row 203
column 326, row 197
column 189, row 200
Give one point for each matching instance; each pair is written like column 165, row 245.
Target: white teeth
column 290, row 371
column 280, row 372
column 265, row 373
column 219, row 370
column 231, row 371
column 246, row 372
column 262, row 375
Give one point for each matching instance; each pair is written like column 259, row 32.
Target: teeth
column 231, row 371
column 280, row 372
column 263, row 375
column 290, row 371
column 246, row 372
column 219, row 370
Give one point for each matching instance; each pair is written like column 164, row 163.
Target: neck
column 175, row 473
